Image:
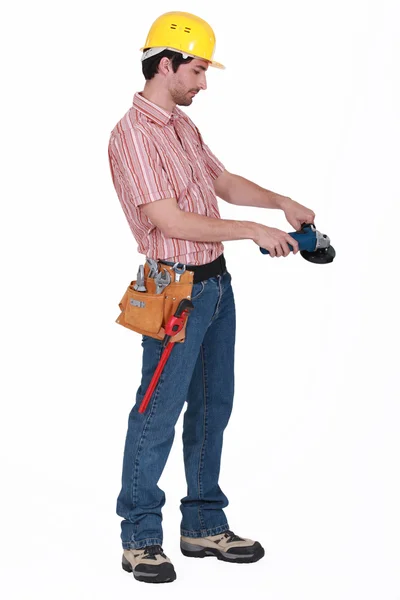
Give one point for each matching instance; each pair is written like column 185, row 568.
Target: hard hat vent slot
column 186, row 29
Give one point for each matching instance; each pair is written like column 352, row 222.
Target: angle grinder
column 313, row 245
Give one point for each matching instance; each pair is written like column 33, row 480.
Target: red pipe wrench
column 174, row 325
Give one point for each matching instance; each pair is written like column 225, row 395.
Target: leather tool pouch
column 148, row 312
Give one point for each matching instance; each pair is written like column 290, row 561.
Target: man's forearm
column 247, row 193
column 199, row 228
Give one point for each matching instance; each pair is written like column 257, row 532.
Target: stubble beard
column 181, row 97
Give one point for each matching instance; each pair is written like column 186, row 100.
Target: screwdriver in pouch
column 173, row 326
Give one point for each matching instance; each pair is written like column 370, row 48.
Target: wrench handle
column 156, row 377
column 173, row 326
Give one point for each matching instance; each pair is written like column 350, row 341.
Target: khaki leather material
column 219, row 542
column 147, row 312
column 138, row 557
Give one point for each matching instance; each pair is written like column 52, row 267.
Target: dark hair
column 150, row 65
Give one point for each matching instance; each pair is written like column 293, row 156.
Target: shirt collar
column 153, row 111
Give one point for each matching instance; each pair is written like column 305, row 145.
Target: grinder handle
column 306, row 238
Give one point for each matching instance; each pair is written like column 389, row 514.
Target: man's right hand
column 274, row 240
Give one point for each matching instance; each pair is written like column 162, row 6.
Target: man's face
column 189, row 79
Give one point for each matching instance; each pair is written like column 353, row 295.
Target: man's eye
column 197, row 72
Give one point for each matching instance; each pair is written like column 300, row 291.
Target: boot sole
column 195, row 551
column 165, row 573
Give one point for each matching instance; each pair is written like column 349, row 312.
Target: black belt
column 202, row 272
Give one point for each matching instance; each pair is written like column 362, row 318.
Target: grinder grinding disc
column 321, row 256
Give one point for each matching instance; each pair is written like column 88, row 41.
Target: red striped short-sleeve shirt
column 156, row 154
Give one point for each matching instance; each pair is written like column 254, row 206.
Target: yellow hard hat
column 182, row 32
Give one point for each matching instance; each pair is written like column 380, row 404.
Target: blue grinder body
column 306, row 238
column 313, row 245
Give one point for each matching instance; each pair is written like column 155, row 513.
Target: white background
column 308, row 107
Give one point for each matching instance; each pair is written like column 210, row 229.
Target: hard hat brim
column 217, row 65
column 212, row 63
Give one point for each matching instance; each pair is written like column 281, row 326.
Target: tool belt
column 202, row 272
column 148, row 312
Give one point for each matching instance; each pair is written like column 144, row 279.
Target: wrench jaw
column 178, row 271
column 162, row 279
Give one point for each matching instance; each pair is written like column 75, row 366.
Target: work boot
column 225, row 546
column 148, row 564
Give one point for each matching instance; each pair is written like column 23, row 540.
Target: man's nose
column 203, row 83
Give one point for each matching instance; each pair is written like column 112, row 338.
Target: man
column 167, row 181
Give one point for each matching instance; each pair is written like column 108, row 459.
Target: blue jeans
column 199, row 371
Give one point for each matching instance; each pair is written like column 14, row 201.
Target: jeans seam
column 219, row 299
column 142, row 436
column 203, row 285
column 202, row 451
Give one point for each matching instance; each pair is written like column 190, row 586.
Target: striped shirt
column 156, row 154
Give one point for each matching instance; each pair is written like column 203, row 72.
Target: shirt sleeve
column 213, row 165
column 135, row 162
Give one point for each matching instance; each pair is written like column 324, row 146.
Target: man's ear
column 164, row 66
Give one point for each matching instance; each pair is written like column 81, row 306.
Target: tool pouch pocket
column 147, row 312
column 143, row 310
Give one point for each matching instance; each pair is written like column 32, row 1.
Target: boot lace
column 231, row 537
column 152, row 551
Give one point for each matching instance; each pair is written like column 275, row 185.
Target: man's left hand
column 296, row 214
